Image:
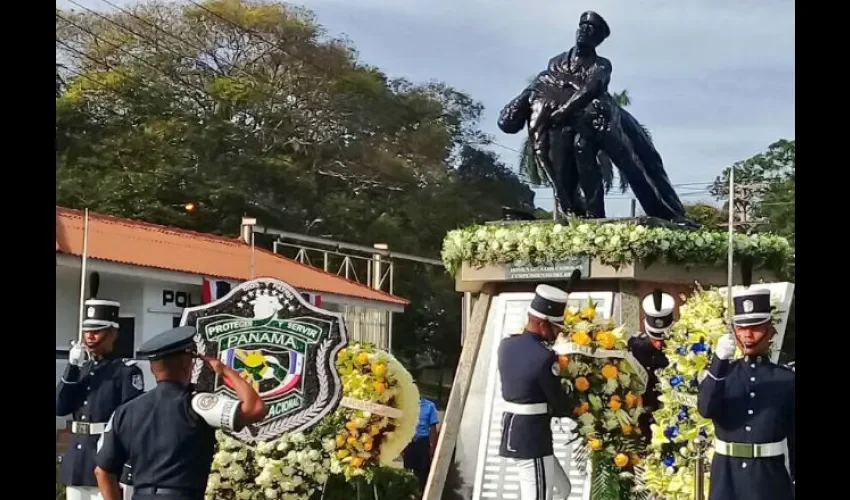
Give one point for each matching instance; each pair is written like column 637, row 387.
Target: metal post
column 85, row 259
column 634, row 207
column 731, row 251
column 699, row 479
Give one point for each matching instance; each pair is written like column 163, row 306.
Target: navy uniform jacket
column 91, row 394
column 750, row 401
column 651, row 359
column 528, row 371
column 168, row 444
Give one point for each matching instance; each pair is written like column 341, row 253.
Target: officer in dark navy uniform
column 168, row 434
column 647, row 348
column 531, row 388
column 751, row 401
column 95, row 382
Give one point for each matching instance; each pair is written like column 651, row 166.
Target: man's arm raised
column 222, row 412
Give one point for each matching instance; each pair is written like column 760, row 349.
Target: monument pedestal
column 629, row 283
column 495, row 299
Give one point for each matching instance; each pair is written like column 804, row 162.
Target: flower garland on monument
column 604, row 383
column 613, row 244
column 671, row 465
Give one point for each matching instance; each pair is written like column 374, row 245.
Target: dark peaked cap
column 168, row 342
column 596, row 20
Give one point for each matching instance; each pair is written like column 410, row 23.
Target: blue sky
column 713, row 80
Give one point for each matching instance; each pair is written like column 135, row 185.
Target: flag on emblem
column 312, row 298
column 214, row 289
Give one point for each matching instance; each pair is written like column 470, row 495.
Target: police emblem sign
column 285, row 347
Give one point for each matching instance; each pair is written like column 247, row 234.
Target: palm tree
column 530, row 171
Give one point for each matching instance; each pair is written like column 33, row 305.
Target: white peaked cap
column 668, row 304
column 551, row 293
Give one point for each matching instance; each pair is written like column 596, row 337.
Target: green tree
column 706, row 215
column 766, row 189
column 247, row 107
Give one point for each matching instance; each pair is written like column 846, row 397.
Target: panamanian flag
column 213, row 289
column 272, row 374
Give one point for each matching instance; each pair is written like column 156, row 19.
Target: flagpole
column 730, row 264
column 83, row 272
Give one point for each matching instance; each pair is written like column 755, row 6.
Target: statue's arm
column 596, row 84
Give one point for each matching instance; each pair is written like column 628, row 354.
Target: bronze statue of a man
column 575, row 125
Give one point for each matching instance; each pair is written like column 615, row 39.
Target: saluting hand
column 725, row 346
column 78, row 355
column 216, row 365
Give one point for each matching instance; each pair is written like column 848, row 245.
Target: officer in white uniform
column 531, row 388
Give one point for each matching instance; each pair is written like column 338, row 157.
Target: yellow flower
column 571, row 317
column 581, row 338
column 356, row 462
column 632, row 400
column 582, row 409
column 379, row 369
column 605, row 340
column 342, row 453
column 380, row 387
column 615, row 402
column 595, row 444
column 563, row 361
column 342, row 354
column 621, row 460
column 627, row 429
column 363, row 358
column 340, row 440
column 634, row 459
column 609, row 371
column 351, row 441
column 582, row 384
column 588, row 313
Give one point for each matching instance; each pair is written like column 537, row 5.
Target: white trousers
column 539, row 477
column 82, row 493
column 91, row 493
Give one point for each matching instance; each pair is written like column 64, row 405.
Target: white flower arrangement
column 348, row 442
column 613, row 244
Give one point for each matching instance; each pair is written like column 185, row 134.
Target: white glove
column 78, row 354
column 725, row 346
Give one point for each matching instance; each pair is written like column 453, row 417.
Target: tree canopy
column 248, row 107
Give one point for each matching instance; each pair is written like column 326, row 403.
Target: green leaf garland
column 614, row 244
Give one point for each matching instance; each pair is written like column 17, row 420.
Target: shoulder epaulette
column 129, row 362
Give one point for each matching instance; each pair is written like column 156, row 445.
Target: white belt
column 87, row 428
column 750, row 450
column 526, row 409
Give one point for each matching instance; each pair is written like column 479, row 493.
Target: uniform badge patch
column 659, row 323
column 138, row 382
column 556, row 369
column 207, row 401
column 748, row 306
